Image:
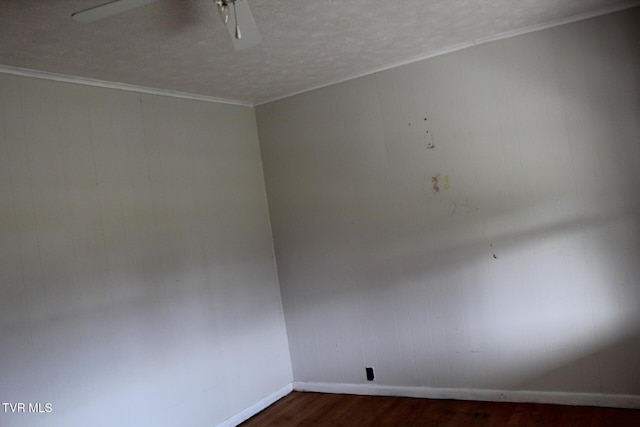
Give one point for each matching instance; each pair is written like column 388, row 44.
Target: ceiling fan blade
column 248, row 28
column 108, row 9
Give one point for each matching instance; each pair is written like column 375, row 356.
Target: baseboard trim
column 257, row 407
column 558, row 398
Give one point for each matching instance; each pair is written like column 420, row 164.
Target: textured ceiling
column 181, row 45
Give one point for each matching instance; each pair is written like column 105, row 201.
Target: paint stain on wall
column 435, row 183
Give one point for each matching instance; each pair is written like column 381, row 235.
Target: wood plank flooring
column 318, row 409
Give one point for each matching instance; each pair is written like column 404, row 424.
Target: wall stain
column 435, row 183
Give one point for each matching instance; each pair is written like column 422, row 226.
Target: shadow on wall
column 494, row 316
column 518, row 272
column 136, row 266
column 153, row 323
column 620, row 350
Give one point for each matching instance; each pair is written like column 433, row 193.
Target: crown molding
column 45, row 75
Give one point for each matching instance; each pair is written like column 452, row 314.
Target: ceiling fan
column 232, row 12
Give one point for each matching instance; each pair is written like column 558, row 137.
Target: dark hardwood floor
column 318, row 409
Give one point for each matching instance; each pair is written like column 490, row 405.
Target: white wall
column 521, row 271
column 137, row 278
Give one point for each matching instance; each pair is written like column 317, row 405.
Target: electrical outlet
column 369, row 371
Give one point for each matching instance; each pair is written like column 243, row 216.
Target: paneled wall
column 470, row 221
column 137, row 279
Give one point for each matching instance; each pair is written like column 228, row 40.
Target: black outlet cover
column 370, row 376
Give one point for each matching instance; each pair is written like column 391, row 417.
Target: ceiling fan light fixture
column 235, row 17
column 223, row 10
column 249, row 37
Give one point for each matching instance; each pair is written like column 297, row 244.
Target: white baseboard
column 558, row 398
column 257, row 407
